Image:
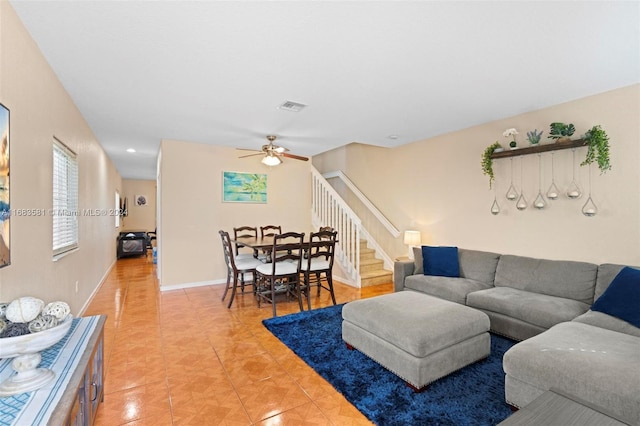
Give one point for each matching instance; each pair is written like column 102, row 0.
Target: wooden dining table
column 266, row 243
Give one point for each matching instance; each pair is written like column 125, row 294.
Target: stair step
column 379, row 276
column 367, row 253
column 372, row 270
column 372, row 264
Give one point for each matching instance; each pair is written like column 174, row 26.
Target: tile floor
column 182, row 358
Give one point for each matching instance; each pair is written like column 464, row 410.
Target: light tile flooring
column 182, row 358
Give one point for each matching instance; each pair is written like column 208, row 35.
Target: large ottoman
column 419, row 338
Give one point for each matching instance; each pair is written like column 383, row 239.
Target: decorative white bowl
column 25, row 350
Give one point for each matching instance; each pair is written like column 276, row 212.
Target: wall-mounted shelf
column 536, row 149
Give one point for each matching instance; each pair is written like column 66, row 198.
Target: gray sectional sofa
column 545, row 304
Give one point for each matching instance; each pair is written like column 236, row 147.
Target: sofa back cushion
column 478, row 265
column 474, row 264
column 606, row 273
column 561, row 278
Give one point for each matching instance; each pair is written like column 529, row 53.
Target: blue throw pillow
column 622, row 298
column 440, row 261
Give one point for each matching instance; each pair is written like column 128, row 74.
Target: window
column 65, row 199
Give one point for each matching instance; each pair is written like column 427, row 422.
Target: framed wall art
column 5, row 212
column 238, row 187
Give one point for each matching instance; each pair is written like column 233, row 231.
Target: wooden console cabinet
column 85, row 392
column 89, row 392
column 78, row 388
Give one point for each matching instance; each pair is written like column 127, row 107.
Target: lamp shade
column 412, row 238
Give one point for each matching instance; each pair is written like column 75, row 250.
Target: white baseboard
column 95, row 290
column 194, row 284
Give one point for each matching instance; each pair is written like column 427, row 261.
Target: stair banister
column 329, row 210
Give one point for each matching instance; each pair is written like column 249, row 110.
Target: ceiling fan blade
column 295, row 157
column 247, row 149
column 251, row 155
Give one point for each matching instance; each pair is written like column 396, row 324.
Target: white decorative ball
column 60, row 310
column 24, row 309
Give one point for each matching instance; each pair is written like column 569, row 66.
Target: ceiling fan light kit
column 271, row 160
column 273, row 153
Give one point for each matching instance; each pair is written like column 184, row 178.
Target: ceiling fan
column 272, row 153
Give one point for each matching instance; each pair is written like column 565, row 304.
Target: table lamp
column 412, row 239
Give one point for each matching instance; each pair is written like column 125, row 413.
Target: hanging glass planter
column 552, row 192
column 521, row 204
column 574, row 191
column 495, row 208
column 539, row 203
column 589, row 209
column 512, row 193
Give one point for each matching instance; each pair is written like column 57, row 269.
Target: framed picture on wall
column 141, row 200
column 239, row 187
column 5, row 212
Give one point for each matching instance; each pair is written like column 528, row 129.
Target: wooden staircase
column 372, row 270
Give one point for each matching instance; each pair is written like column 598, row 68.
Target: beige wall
column 192, row 210
column 437, row 186
column 41, row 109
column 139, row 218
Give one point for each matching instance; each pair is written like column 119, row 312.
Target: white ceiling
column 215, row 72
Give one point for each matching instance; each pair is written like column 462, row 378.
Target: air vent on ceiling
column 292, row 106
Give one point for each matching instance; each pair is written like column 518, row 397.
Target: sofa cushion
column 537, row 309
column 441, row 261
column 606, row 273
column 561, row 278
column 622, row 298
column 453, row 289
column 594, row 364
column 598, row 319
column 478, row 265
column 474, row 264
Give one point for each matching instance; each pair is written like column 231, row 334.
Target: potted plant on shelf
column 561, row 132
column 487, row 161
column 512, row 134
column 597, row 148
column 534, row 136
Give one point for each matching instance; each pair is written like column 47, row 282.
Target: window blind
column 65, row 198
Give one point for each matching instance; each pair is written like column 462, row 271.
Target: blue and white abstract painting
column 238, row 187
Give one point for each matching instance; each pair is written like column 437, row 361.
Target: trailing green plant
column 487, row 161
column 561, row 130
column 597, row 148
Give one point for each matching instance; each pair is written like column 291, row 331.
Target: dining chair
column 282, row 275
column 245, row 231
column 319, row 254
column 237, row 270
column 270, row 230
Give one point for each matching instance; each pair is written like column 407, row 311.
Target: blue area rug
column 471, row 396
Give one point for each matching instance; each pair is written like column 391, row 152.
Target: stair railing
column 371, row 212
column 328, row 209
